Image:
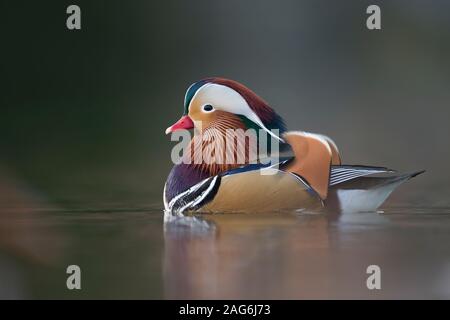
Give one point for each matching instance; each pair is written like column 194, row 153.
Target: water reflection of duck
column 247, row 256
column 309, row 174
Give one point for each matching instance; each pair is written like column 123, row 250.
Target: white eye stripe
column 226, row 99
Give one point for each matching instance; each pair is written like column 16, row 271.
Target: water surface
column 133, row 253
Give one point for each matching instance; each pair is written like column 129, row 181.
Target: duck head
column 214, row 105
column 222, row 103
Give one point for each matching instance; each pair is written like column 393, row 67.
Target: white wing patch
column 342, row 174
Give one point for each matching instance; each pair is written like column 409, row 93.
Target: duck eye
column 208, row 108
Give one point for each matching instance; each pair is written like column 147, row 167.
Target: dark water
column 135, row 253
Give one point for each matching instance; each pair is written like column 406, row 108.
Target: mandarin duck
column 305, row 171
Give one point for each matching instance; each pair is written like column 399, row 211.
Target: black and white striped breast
column 194, row 197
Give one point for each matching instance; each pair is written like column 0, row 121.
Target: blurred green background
column 83, row 112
